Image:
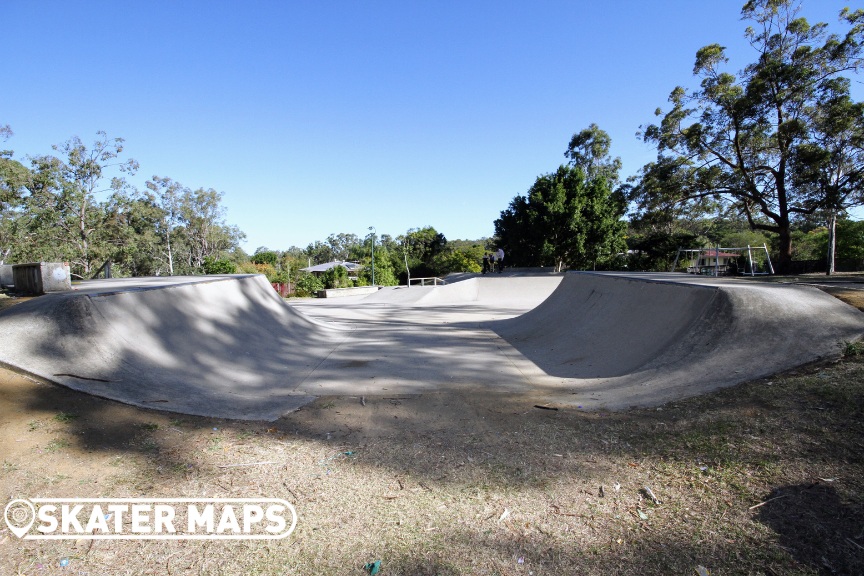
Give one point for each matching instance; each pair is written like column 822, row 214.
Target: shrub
column 336, row 277
column 308, row 285
column 265, row 258
column 220, row 266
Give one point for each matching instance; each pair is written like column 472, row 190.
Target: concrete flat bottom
column 228, row 346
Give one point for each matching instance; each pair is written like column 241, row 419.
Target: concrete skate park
column 230, row 347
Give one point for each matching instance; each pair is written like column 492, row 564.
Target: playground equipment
column 719, row 261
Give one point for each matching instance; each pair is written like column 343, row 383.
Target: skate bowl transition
column 228, row 346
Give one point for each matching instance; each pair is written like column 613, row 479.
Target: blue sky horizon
column 327, row 117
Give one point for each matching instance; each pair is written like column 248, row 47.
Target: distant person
column 492, row 262
column 485, row 263
column 500, row 260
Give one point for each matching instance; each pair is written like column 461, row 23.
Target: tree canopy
column 568, row 218
column 778, row 141
column 76, row 206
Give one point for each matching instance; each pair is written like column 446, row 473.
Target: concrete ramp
column 230, row 347
column 523, row 292
column 618, row 340
column 226, row 347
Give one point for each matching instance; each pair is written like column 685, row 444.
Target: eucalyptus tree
column 13, row 180
column 589, row 149
column 168, row 195
column 66, row 214
column 741, row 141
column 203, row 218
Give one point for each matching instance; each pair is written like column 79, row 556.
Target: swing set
column 719, row 261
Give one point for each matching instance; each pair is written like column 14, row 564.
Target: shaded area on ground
column 818, row 525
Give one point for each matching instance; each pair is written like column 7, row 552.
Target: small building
column 319, row 269
column 710, row 259
column 722, row 261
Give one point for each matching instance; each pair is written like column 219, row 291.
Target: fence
column 424, row 281
column 284, row 290
column 821, row 266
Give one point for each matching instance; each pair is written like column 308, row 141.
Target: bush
column 220, row 266
column 265, row 258
column 247, row 268
column 336, row 277
column 308, row 285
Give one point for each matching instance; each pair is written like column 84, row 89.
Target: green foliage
column 589, row 150
column 320, row 252
column 384, row 274
column 247, row 268
column 423, row 244
column 267, row 270
column 853, row 349
column 265, row 257
column 565, row 220
column 655, row 251
column 308, row 285
column 77, row 207
column 62, row 215
column 812, row 244
column 780, row 140
column 219, row 266
column 336, row 277
column 456, row 261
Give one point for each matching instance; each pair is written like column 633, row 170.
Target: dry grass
column 443, row 484
column 764, row 478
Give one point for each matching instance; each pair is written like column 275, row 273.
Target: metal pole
column 374, row 231
column 674, row 264
column 717, row 261
column 768, row 256
column 832, row 241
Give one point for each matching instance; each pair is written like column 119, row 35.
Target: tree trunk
column 832, row 242
column 784, row 253
column 170, row 254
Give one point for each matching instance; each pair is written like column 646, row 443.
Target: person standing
column 485, row 263
column 500, row 260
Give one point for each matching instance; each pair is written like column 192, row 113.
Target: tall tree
column 13, row 180
column 345, row 246
column 589, row 149
column 204, row 218
column 735, row 139
column 168, row 195
column 565, row 220
column 131, row 228
column 64, row 204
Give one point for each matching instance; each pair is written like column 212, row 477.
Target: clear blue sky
column 332, row 116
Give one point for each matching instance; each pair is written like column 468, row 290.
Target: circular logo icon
column 19, row 515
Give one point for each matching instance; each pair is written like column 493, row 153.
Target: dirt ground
column 763, row 478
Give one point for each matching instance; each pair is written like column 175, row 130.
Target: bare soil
column 763, row 478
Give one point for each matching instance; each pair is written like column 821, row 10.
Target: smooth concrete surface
column 230, row 347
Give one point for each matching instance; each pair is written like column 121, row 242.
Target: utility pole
column 374, row 231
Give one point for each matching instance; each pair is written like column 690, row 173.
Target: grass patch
column 853, row 349
column 56, row 445
column 65, row 417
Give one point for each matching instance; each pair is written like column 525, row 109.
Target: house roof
column 350, row 266
column 710, row 253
